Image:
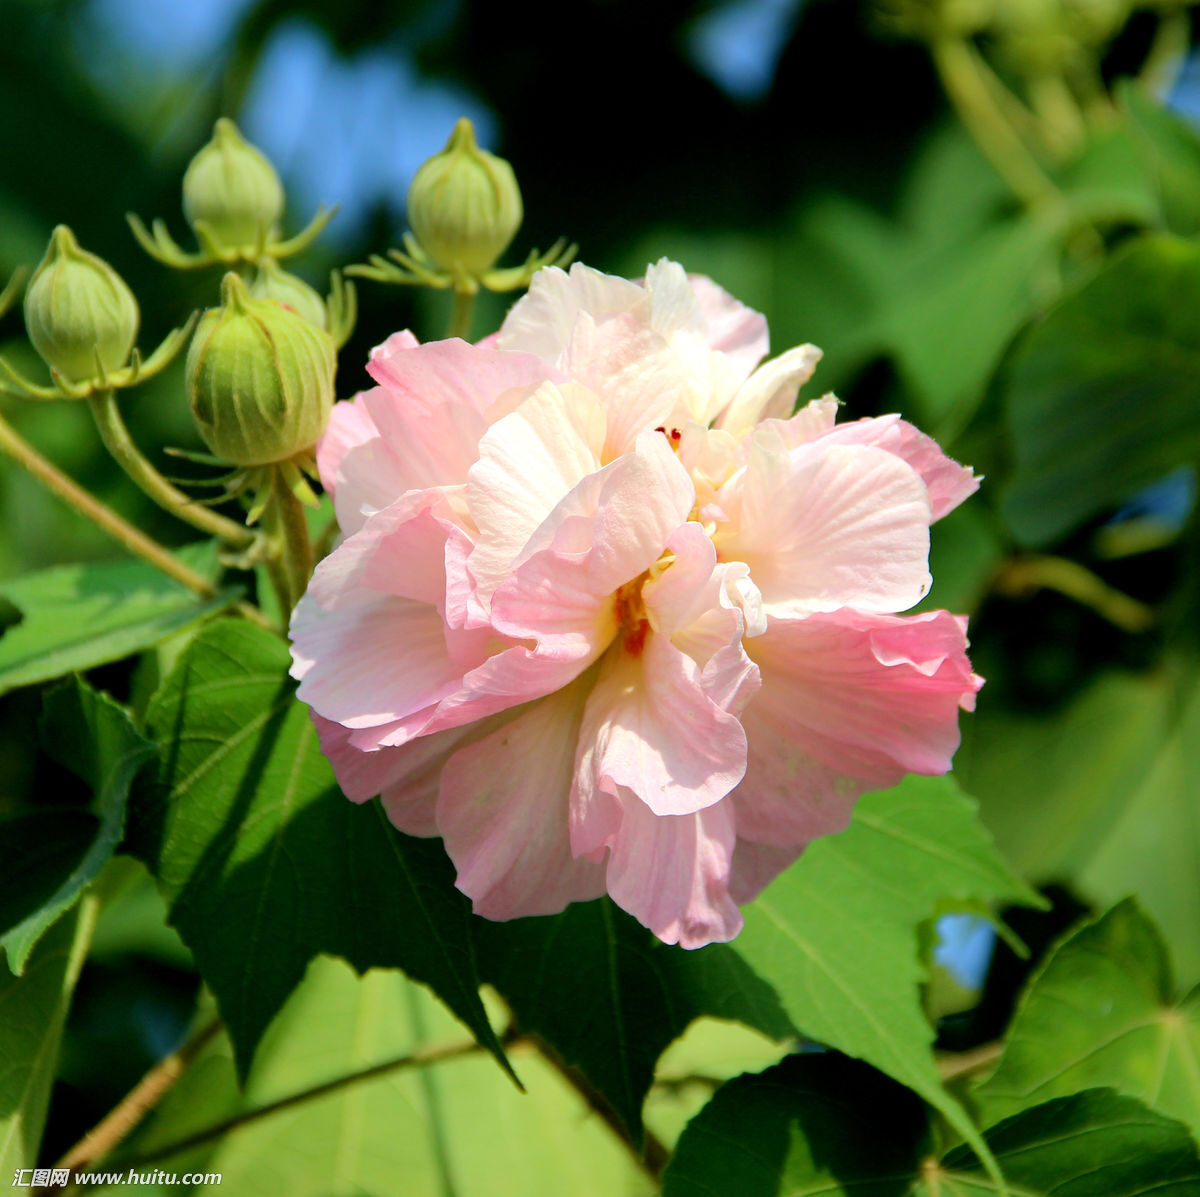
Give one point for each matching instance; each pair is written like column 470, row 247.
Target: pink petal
column 406, row 778
column 755, row 866
column 350, row 424
column 770, row 392
column 633, row 371
column 827, row 526
column 849, row 702
column 528, row 462
column 541, row 322
column 650, row 727
column 948, row 483
column 734, row 329
column 369, row 641
column 672, row 873
column 456, row 374
column 502, row 810
column 396, row 344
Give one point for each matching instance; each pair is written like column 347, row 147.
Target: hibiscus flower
column 607, row 617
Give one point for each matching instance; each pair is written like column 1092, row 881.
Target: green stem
column 1167, row 52
column 1023, row 576
column 107, row 520
column 966, row 84
column 129, row 457
column 291, row 559
column 460, row 314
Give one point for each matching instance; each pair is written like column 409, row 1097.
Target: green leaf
column 1101, row 395
column 1171, row 152
column 32, row 1011
column 88, row 733
column 1101, row 1011
column 829, row 952
column 1118, row 785
column 830, row 1126
column 455, row 1127
column 262, row 860
column 79, row 616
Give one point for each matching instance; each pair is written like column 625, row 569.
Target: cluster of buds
column 464, row 208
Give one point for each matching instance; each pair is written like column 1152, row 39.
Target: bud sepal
column 233, row 200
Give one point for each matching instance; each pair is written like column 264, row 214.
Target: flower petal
column 733, row 329
column 650, row 727
column 948, row 482
column 770, row 392
column 826, row 526
column 528, row 461
column 541, row 321
column 633, row 371
column 671, row 872
column 350, row 424
column 849, row 702
column 502, row 810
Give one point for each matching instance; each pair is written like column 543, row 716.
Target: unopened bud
column 464, row 205
column 232, row 190
column 273, row 282
column 260, row 378
column 79, row 309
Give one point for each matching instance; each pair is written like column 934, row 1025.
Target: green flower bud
column 77, row 307
column 232, row 188
column 273, row 282
column 464, row 205
column 259, row 378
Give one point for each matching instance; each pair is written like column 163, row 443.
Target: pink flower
column 608, row 617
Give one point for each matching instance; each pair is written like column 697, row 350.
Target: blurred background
column 801, row 152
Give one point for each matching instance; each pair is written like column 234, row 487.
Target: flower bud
column 259, row 378
column 77, row 307
column 273, row 282
column 464, row 204
column 232, row 188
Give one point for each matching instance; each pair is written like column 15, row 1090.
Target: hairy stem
column 129, row 457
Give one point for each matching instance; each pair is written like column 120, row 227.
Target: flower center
column 631, row 616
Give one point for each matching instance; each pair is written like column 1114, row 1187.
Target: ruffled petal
column 849, row 702
column 541, row 321
column 350, row 424
column 527, row 462
column 502, row 811
column 650, row 727
column 672, row 872
column 770, row 392
column 828, row 526
column 737, row 331
column 947, row 482
column 633, row 371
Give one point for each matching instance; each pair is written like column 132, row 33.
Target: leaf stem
column 107, row 520
column 1167, row 51
column 129, row 457
column 138, row 1102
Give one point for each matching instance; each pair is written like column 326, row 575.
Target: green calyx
column 259, row 378
column 232, row 193
column 273, row 282
column 464, row 205
column 79, row 313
